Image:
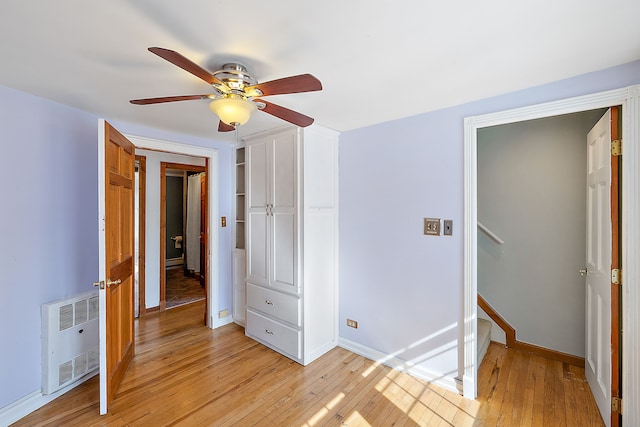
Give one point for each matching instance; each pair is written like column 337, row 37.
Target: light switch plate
column 432, row 226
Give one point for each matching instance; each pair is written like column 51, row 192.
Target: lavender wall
column 405, row 289
column 48, row 222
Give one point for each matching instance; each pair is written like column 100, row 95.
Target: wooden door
column 598, row 278
column 203, row 228
column 116, row 161
column 204, row 216
column 616, row 291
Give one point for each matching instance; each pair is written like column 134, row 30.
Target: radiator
column 70, row 344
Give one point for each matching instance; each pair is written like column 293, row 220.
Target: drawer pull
column 268, row 302
column 268, row 331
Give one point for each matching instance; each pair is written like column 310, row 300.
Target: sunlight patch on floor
column 355, row 419
column 324, row 411
column 370, row 369
column 423, row 402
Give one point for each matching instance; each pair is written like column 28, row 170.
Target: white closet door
column 257, row 213
column 283, row 238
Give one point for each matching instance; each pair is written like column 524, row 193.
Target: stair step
column 484, row 337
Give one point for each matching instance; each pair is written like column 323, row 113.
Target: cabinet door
column 239, row 287
column 283, row 262
column 257, row 220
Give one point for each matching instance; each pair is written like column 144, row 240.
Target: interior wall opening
column 531, row 193
column 185, row 269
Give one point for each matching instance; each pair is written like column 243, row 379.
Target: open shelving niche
column 240, row 199
column 239, row 253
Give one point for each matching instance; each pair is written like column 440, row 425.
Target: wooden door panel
column 203, row 229
column 116, row 208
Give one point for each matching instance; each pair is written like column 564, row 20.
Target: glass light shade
column 233, row 111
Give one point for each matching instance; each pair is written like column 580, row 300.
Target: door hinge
column 616, row 405
column 616, row 147
column 616, row 274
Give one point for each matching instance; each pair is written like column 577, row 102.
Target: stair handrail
column 490, row 233
column 509, row 331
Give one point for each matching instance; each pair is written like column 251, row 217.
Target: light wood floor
column 188, row 375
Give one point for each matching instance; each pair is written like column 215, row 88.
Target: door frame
column 212, row 157
column 141, row 195
column 629, row 99
column 163, row 224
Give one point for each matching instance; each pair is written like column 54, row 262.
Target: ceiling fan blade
column 286, row 114
column 184, row 63
column 147, row 101
column 223, row 127
column 293, row 84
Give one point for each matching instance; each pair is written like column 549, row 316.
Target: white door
column 598, row 289
column 272, row 212
column 257, row 215
column 283, row 262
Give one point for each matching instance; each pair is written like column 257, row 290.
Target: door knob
column 109, row 282
column 584, row 272
column 101, row 283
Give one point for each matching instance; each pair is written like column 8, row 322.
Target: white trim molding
column 629, row 99
column 380, row 358
column 213, row 157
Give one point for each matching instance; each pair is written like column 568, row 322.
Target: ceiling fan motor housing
column 236, row 77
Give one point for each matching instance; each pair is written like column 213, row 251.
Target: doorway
column 182, row 268
column 629, row 98
column 531, row 193
column 150, row 149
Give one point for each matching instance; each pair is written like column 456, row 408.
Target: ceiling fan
column 236, row 93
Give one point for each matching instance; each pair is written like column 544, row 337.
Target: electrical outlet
column 222, row 314
column 352, row 323
column 447, row 227
column 432, row 226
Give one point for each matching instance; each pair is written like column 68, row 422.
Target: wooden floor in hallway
column 185, row 374
column 182, row 288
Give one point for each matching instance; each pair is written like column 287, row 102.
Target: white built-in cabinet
column 291, row 227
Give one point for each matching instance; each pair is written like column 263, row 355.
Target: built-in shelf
column 240, row 198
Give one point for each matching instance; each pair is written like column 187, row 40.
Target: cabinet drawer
column 276, row 334
column 274, row 303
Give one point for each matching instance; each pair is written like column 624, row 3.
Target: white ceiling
column 378, row 60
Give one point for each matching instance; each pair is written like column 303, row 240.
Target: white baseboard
column 23, row 407
column 436, row 378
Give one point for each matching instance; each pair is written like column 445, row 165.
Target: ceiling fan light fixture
column 233, row 110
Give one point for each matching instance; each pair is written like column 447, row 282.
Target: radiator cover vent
column 70, row 344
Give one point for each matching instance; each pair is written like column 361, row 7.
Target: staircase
column 484, row 338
